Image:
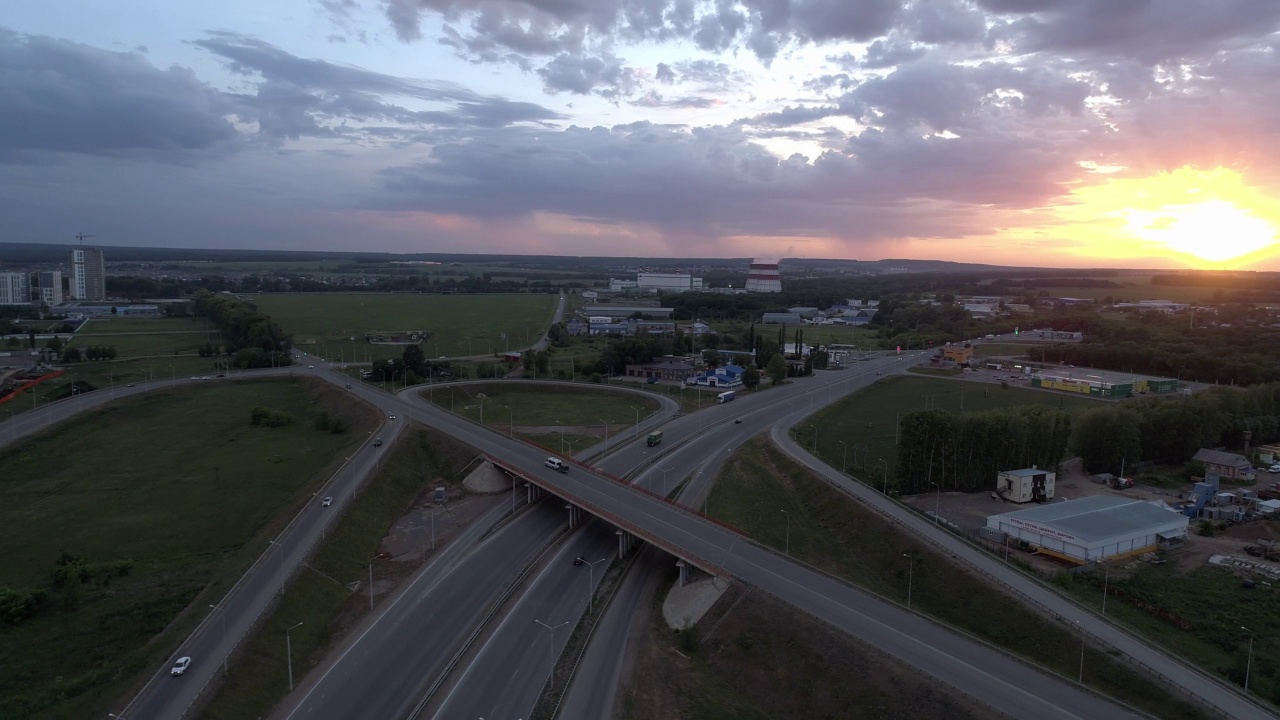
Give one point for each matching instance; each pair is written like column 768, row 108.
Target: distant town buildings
column 88, row 275
column 49, row 286
column 764, row 277
column 15, row 288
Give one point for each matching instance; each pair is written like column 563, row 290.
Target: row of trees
column 251, row 337
column 92, row 352
column 1171, row 430
column 965, row 452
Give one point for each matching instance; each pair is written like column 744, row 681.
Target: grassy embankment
column 318, row 597
column 836, row 534
column 160, row 503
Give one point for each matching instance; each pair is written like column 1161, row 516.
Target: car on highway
column 556, row 463
column 311, row 366
column 348, row 386
column 737, row 421
column 1274, row 468
column 327, row 501
column 578, row 560
column 391, row 417
column 181, row 666
column 377, row 442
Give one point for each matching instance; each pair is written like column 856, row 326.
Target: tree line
column 1171, row 430
column 251, row 338
column 965, row 452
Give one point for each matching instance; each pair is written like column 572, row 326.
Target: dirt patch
column 755, row 657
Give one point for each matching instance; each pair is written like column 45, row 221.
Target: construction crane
column 82, row 236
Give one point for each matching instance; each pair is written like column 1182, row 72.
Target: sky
column 1050, row 133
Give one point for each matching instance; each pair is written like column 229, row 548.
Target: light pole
column 606, row 436
column 223, row 614
column 375, row 557
column 788, row 536
column 635, row 429
column 1248, row 664
column 664, row 472
column 288, row 648
column 561, row 436
column 911, row 568
column 591, row 583
column 280, row 547
column 1106, row 575
column 511, row 421
column 1080, row 677
column 173, row 374
column 844, row 457
column 551, row 647
column 937, row 504
column 886, row 477
column 814, row 428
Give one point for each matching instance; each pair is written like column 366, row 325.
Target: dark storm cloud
column 718, row 181
column 298, row 97
column 61, row 96
column 1148, row 31
column 888, row 53
column 584, row 75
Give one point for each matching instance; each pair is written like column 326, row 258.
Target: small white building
column 1092, row 528
column 1027, row 485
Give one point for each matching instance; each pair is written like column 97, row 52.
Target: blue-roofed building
column 727, row 376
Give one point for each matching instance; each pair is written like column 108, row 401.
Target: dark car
column 377, row 442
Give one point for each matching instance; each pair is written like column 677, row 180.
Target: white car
column 391, row 417
column 181, row 666
column 1274, row 468
column 327, row 501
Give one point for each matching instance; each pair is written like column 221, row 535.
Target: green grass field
column 866, row 421
column 149, row 345
column 317, row 598
column 777, row 502
column 528, row 404
column 460, row 325
column 117, row 325
column 177, row 486
column 1215, row 604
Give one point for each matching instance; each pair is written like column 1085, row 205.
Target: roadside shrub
column 1206, row 528
column 18, row 605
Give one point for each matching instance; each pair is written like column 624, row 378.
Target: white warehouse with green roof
column 1092, row 528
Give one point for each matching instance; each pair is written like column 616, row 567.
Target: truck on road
column 654, row 438
column 725, row 397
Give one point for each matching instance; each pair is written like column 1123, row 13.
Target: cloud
column 296, row 97
column 62, row 96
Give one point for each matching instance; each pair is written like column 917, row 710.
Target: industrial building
column 88, row 275
column 1027, row 485
column 764, row 277
column 15, row 288
column 1102, row 383
column 1092, row 528
column 624, row 311
column 653, row 283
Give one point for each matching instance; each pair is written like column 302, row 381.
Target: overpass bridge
column 1003, row 682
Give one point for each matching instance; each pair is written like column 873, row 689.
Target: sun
column 1215, row 230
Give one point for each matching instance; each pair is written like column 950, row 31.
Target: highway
column 953, row 659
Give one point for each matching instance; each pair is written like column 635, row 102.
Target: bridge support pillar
column 532, row 492
column 576, row 515
column 684, row 572
column 626, row 542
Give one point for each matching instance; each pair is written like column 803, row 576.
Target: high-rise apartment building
column 49, row 283
column 15, row 288
column 88, row 275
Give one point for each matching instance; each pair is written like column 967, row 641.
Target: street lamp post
column 1248, row 664
column 375, row 557
column 561, row 436
column 223, row 614
column 911, row 568
column 606, row 436
column 511, row 421
column 635, row 429
column 844, row 457
column 664, row 472
column 886, row 476
column 788, row 536
column 551, row 647
column 279, row 547
column 1106, row 576
column 288, row 648
column 173, row 374
column 1080, row 677
column 937, row 504
column 814, row 428
column 591, row 583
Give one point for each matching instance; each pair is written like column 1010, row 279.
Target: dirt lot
column 969, row 511
column 753, row 657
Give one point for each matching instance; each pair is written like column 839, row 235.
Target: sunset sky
column 1133, row 133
